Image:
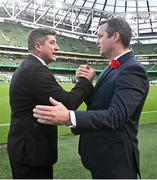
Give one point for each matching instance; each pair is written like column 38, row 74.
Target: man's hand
column 57, row 114
column 85, row 71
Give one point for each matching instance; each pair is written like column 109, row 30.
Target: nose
column 97, row 42
column 57, row 47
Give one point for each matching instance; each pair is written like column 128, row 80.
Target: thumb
column 53, row 101
column 86, row 66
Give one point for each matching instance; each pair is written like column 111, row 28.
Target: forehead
column 51, row 37
column 102, row 29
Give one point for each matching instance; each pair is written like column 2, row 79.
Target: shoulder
column 133, row 74
column 133, row 65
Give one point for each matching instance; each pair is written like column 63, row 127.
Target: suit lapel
column 122, row 60
column 102, row 76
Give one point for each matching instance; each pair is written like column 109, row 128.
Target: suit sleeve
column 130, row 90
column 45, row 85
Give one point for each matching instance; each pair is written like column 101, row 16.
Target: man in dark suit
column 32, row 147
column 108, row 143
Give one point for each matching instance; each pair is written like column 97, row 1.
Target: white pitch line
column 146, row 112
column 1, row 125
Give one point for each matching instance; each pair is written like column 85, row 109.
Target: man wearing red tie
column 108, row 143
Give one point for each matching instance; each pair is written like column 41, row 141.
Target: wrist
column 72, row 120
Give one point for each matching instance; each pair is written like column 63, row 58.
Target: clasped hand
column 85, row 71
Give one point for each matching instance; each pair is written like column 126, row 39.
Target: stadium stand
column 15, row 35
column 13, row 43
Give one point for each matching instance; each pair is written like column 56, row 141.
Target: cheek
column 104, row 45
column 107, row 43
column 52, row 48
column 103, row 42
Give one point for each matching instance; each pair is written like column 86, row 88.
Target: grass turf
column 148, row 115
column 69, row 165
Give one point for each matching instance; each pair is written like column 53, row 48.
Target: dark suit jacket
column 33, row 83
column 113, row 110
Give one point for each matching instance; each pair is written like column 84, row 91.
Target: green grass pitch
column 69, row 165
column 148, row 115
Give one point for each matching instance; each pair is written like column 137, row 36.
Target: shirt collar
column 41, row 60
column 117, row 57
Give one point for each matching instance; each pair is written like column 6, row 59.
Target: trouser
column 101, row 175
column 115, row 173
column 119, row 171
column 23, row 171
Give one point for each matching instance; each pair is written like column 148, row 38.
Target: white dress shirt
column 41, row 60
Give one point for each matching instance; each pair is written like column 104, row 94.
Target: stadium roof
column 81, row 17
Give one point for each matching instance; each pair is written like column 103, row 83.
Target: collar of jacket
column 125, row 57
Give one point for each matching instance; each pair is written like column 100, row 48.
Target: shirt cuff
column 73, row 120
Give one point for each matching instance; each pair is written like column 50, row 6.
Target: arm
column 131, row 89
column 45, row 86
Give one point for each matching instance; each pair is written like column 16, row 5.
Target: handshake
column 85, row 71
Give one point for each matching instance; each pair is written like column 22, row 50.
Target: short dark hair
column 121, row 26
column 40, row 35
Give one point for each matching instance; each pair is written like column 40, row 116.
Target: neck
column 119, row 52
column 36, row 54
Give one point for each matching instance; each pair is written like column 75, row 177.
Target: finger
column 86, row 66
column 53, row 101
column 41, row 112
column 44, row 121
column 42, row 108
column 43, row 115
column 83, row 70
column 82, row 75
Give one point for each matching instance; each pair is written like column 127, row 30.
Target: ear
column 116, row 36
column 37, row 46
